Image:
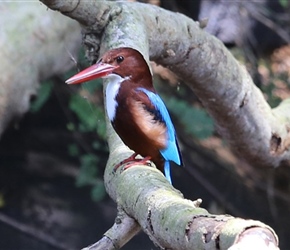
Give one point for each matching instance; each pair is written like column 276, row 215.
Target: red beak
column 95, row 71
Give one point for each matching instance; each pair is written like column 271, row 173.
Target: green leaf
column 42, row 96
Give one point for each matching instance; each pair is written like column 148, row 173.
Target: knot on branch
column 279, row 145
column 106, row 15
column 91, row 43
column 197, row 202
column 92, row 33
column 275, row 144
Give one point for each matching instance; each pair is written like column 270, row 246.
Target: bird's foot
column 138, row 161
column 127, row 160
column 131, row 161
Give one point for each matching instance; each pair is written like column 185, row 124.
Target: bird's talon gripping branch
column 132, row 161
column 127, row 160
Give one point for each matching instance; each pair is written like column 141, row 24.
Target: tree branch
column 164, row 215
column 118, row 235
column 142, row 192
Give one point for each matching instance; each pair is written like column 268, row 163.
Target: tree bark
column 29, row 53
column 225, row 89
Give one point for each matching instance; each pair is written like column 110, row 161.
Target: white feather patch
column 111, row 93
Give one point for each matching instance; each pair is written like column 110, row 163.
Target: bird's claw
column 131, row 161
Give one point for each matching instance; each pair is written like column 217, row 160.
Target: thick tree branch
column 142, row 192
column 165, row 216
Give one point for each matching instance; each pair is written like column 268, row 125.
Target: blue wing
column 171, row 152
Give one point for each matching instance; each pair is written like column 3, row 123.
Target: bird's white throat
column 111, row 93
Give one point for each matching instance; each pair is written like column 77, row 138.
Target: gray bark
column 35, row 44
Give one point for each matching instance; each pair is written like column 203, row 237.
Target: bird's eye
column 120, row 59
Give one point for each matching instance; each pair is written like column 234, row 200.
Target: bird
column 135, row 110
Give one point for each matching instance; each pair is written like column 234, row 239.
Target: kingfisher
column 135, row 110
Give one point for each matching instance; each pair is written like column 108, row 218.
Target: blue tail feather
column 171, row 152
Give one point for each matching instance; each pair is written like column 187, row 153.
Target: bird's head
column 125, row 62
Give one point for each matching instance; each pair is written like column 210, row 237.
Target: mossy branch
column 143, row 195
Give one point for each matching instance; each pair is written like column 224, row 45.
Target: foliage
column 91, row 118
column 89, row 174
